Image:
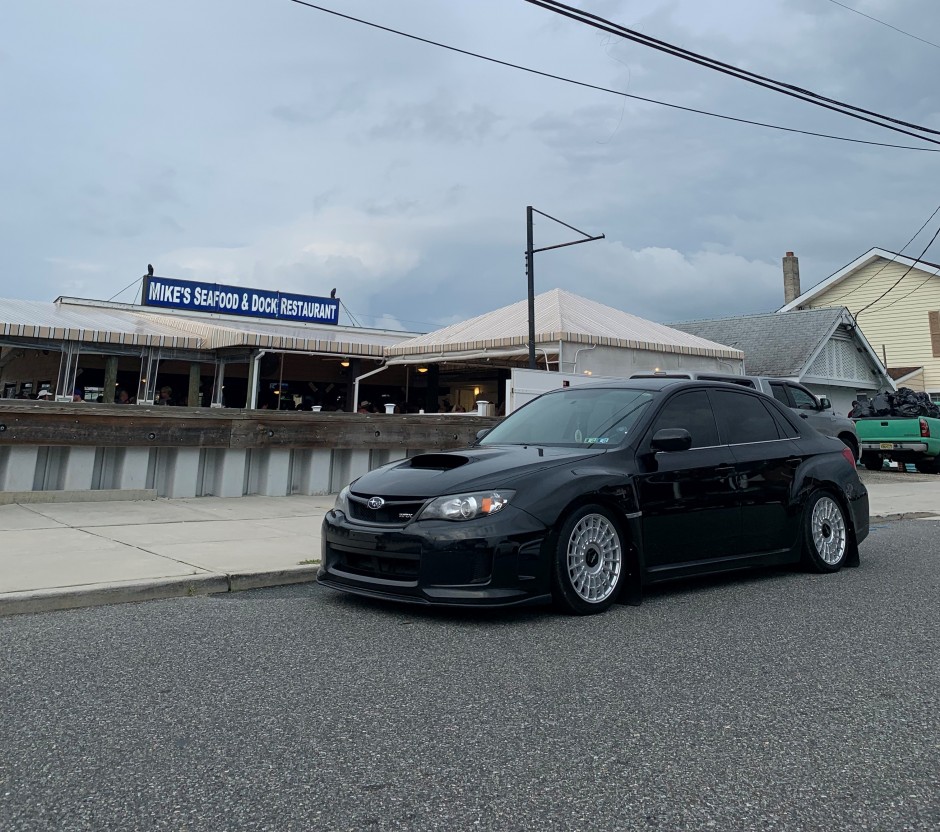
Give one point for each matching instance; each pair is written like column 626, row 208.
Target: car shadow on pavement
column 404, row 613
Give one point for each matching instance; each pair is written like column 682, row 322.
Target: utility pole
column 530, row 252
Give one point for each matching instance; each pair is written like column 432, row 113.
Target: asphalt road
column 780, row 701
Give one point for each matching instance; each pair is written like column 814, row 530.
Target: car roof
column 653, row 383
column 695, row 375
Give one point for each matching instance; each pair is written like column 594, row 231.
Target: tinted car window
column 784, row 425
column 573, row 417
column 802, row 399
column 693, row 412
column 780, row 394
column 743, row 418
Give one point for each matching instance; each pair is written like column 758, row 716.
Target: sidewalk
column 64, row 555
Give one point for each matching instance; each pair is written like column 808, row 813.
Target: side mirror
column 482, row 433
column 824, row 403
column 671, row 439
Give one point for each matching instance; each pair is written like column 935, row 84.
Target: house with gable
column 819, row 348
column 896, row 300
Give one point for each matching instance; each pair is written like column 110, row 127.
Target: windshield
column 575, row 417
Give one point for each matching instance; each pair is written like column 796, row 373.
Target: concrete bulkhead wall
column 182, row 452
column 189, row 472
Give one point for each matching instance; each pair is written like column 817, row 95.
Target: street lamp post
column 530, row 267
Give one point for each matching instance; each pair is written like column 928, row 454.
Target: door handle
column 724, row 470
column 794, row 462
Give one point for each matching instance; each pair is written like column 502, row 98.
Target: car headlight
column 466, row 506
column 342, row 501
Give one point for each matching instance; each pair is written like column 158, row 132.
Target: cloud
column 68, row 264
column 293, row 150
column 341, row 247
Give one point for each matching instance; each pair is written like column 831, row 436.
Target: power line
column 888, row 262
column 911, row 292
column 876, row 20
column 613, row 91
column 896, row 282
column 604, row 25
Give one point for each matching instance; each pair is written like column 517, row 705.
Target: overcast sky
column 264, row 144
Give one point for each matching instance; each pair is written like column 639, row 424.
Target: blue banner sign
column 171, row 293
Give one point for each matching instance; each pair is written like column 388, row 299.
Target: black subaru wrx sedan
column 587, row 494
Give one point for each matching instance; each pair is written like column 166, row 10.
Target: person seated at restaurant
column 365, row 407
column 459, row 408
column 123, row 397
column 44, row 395
column 165, row 397
column 78, row 395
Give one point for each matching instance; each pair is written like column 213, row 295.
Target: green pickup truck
column 903, row 439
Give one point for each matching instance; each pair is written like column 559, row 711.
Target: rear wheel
column 825, row 533
column 929, row 466
column 873, row 462
column 588, row 567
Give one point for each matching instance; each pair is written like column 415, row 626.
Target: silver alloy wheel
column 828, row 530
column 595, row 558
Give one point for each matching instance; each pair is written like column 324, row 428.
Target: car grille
column 394, row 511
column 372, row 565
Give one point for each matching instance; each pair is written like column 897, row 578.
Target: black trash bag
column 906, row 403
column 927, row 407
column 862, row 409
column 881, row 405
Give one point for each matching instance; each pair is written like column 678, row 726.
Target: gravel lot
column 773, row 701
column 867, row 476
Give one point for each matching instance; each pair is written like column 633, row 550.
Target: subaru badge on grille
column 376, row 503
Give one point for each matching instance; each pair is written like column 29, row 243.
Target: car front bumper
column 489, row 562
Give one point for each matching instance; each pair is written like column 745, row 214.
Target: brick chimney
column 791, row 278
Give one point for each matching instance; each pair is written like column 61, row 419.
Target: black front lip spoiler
column 478, row 599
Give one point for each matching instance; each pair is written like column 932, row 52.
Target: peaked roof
column 559, row 316
column 904, row 373
column 858, row 263
column 777, row 344
column 102, row 322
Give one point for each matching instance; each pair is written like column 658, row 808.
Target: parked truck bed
column 901, row 439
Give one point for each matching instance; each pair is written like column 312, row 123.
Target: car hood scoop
column 436, row 462
column 436, row 474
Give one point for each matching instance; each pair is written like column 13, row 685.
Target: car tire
column 826, row 536
column 850, row 442
column 589, row 564
column 873, row 462
column 928, row 466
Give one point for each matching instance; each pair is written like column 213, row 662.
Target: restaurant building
column 207, row 345
column 211, row 356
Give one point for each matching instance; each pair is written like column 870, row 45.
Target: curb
column 275, row 577
column 97, row 595
column 909, row 515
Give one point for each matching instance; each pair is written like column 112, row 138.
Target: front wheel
column 825, row 533
column 588, row 566
column 850, row 442
column 929, row 466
